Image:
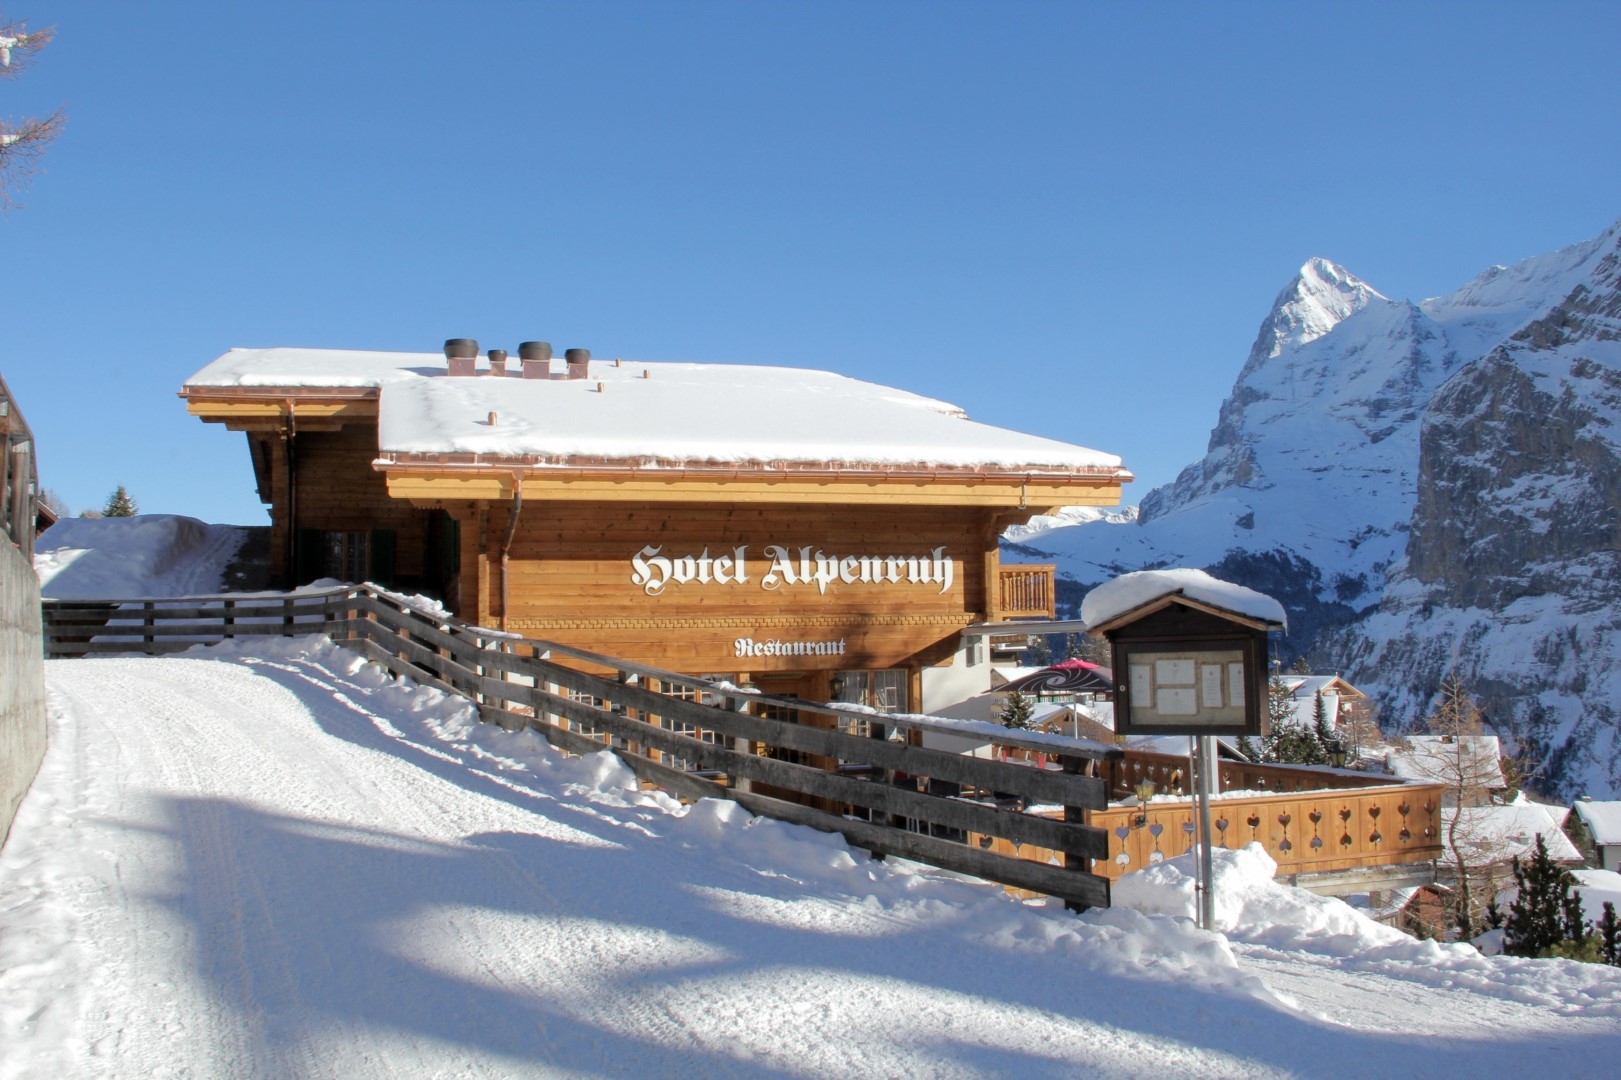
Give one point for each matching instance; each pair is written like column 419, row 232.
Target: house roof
column 1500, row 833
column 652, row 415
column 1441, row 758
column 1603, row 820
column 1307, row 686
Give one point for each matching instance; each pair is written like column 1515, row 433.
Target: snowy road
column 282, row 864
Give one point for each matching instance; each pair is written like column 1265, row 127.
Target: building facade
column 817, row 535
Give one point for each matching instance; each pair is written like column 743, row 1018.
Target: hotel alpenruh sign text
column 778, row 566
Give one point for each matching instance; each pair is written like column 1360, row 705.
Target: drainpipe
column 291, row 437
column 506, row 548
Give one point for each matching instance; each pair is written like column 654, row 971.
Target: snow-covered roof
column 1441, row 758
column 990, row 706
column 1308, row 686
column 1008, row 672
column 1603, row 820
column 1129, row 592
column 1500, row 833
column 652, row 413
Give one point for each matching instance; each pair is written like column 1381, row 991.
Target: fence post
column 741, row 745
column 230, row 619
column 617, row 707
column 1074, row 815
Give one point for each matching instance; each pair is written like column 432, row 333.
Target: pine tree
column 1539, row 917
column 1074, row 647
column 1016, row 712
column 119, row 504
column 1247, row 747
column 1319, row 721
column 1280, row 704
column 1608, row 929
column 1295, row 745
column 1571, row 910
column 1301, row 666
column 1288, row 742
column 1039, row 654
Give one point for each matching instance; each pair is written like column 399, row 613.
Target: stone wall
column 22, row 682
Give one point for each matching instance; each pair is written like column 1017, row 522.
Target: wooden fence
column 1311, row 832
column 779, row 757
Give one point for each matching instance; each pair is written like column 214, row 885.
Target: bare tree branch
column 22, row 142
column 19, row 46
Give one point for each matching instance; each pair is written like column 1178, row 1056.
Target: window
column 353, row 555
column 702, row 696
column 345, row 557
column 881, row 690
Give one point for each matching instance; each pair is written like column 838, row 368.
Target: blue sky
column 1068, row 218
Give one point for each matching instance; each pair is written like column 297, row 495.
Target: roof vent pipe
column 579, row 362
column 462, row 353
column 537, row 359
column 498, row 361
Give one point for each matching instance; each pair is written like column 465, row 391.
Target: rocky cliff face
column 1512, row 572
column 1427, row 487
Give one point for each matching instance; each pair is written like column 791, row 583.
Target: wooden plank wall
column 338, row 490
column 572, row 581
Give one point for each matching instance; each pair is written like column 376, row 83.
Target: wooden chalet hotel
column 769, row 524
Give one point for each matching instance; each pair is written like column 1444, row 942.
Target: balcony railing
column 1024, row 592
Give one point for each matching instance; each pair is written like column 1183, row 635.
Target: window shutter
column 309, row 556
column 382, row 557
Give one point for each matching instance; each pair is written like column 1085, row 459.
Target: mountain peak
column 1320, row 297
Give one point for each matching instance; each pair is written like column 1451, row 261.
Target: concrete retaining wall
column 22, row 682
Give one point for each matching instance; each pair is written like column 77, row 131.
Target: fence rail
column 680, row 732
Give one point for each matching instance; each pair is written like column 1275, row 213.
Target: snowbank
column 1254, row 910
column 149, row 555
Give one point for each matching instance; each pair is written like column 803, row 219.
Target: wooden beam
column 954, row 491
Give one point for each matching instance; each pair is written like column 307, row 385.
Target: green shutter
column 309, row 556
column 382, row 557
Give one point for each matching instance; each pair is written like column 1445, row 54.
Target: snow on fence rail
column 683, row 733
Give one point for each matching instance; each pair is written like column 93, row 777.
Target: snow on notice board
column 1131, row 591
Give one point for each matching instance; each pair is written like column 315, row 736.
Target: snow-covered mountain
column 1427, row 487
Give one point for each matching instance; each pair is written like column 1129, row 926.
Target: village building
column 1342, row 702
column 819, row 536
column 1469, row 765
column 1601, row 829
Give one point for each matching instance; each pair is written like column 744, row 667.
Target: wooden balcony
column 1024, row 592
